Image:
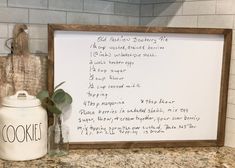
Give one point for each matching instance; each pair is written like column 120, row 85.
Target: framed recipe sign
column 142, row 86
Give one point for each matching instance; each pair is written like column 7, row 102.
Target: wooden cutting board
column 22, row 70
column 19, row 72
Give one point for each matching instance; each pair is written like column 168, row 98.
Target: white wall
column 197, row 13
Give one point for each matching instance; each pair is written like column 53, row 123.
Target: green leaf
column 55, row 103
column 53, row 109
column 59, row 96
column 57, row 86
column 42, row 95
column 68, row 98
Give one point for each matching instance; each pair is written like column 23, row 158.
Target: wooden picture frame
column 223, row 91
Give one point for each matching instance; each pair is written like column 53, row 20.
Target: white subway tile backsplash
column 166, row 1
column 46, row 16
column 148, row 1
column 198, row 0
column 3, row 49
column 133, row 21
column 28, row 3
column 231, row 111
column 95, row 6
column 67, row 5
column 145, row 21
column 38, row 31
column 233, row 52
column 215, row 21
column 168, row 9
column 38, row 46
column 233, row 21
column 82, row 18
column 154, row 21
column 233, row 36
column 199, row 7
column 225, row 7
column 126, row 9
column 133, row 1
column 113, row 20
column 15, row 15
column 232, row 82
column 3, row 30
column 122, row 0
column 230, row 125
column 231, row 96
column 229, row 139
column 3, row 2
column 182, row 21
column 10, row 30
column 232, row 67
column 146, row 10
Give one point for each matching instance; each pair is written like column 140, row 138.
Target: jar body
column 23, row 133
column 58, row 137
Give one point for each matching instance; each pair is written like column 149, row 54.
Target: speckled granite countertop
column 203, row 157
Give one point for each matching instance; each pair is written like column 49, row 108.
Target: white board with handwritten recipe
column 140, row 87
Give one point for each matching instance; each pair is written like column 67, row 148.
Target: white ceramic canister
column 23, row 128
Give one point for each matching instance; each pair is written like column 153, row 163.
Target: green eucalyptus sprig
column 57, row 101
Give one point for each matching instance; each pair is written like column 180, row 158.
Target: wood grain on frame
column 227, row 33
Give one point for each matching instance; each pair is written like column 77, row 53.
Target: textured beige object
column 22, row 71
column 20, row 40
